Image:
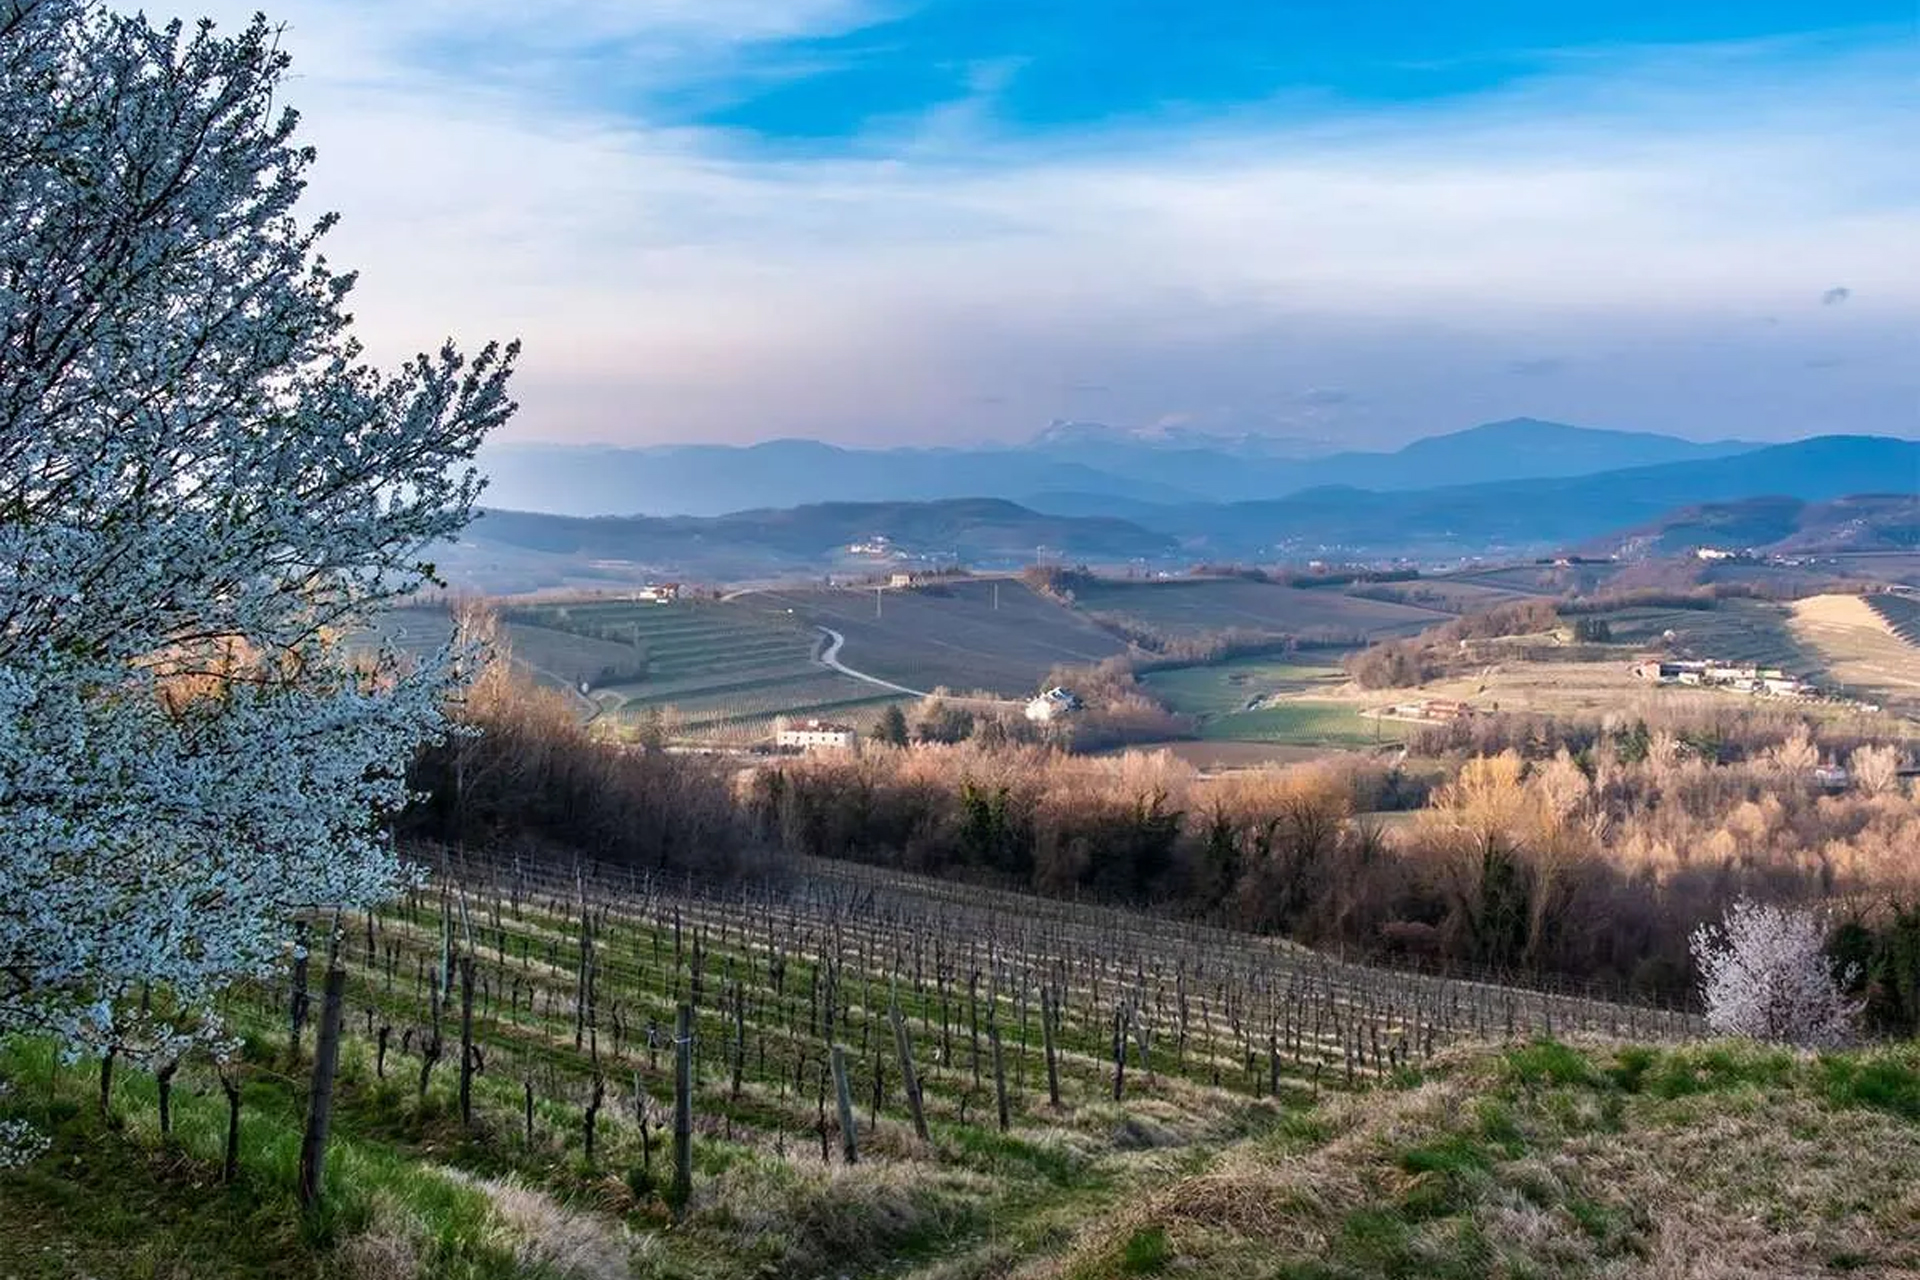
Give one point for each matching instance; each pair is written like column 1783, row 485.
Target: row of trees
column 1595, row 868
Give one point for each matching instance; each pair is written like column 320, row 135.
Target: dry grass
column 1710, row 1164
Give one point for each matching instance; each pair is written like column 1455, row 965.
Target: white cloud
column 1644, row 210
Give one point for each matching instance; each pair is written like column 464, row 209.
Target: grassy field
column 1263, row 700
column 1279, row 1114
column 1195, row 606
column 950, row 635
column 1306, row 722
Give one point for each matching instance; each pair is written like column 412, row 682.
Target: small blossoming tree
column 1765, row 975
column 202, row 489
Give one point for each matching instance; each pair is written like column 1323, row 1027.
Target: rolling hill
column 1776, row 525
column 517, row 551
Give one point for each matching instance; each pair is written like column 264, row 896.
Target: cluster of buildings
column 659, row 593
column 1430, row 710
column 1712, row 673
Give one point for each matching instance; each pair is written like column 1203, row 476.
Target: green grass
column 1218, row 696
column 1226, row 687
column 1304, row 721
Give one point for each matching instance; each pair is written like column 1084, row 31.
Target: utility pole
column 876, row 600
column 996, row 596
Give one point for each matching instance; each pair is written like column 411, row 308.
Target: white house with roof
column 816, row 735
column 1052, row 705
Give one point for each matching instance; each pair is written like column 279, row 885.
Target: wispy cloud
column 946, row 274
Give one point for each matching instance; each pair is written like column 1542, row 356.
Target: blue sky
column 899, row 222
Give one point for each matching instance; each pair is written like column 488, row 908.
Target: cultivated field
column 1194, row 606
column 1018, row 1075
column 1734, row 630
column 1446, row 594
column 1263, row 700
column 949, row 634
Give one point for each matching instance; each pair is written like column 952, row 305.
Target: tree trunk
column 230, row 1165
column 326, row 1060
column 163, row 1079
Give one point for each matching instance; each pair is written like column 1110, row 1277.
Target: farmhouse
column 660, row 592
column 904, row 580
column 1051, row 705
column 1744, row 677
column 816, row 735
column 1431, row 709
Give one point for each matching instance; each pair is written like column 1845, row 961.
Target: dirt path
column 830, row 657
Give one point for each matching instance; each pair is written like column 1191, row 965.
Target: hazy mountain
column 1061, row 436
column 1532, row 514
column 1168, row 465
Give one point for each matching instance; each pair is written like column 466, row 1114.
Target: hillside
column 1775, row 526
column 1386, row 1125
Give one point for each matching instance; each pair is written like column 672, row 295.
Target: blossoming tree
column 203, row 487
column 1765, row 975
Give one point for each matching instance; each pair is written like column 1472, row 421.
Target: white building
column 1051, row 705
column 816, row 735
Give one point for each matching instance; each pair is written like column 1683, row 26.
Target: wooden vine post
column 843, row 1097
column 909, row 1079
column 682, row 1111
column 1049, row 1015
column 466, row 1041
column 326, row 1060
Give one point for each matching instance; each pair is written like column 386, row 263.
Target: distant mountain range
column 1803, row 495
column 1069, row 468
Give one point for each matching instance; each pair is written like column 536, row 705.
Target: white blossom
column 203, row 489
column 1765, row 975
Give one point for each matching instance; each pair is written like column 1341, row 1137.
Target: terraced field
column 986, row 634
column 721, row 669
column 1192, row 607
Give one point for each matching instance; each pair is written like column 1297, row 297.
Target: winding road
column 830, row 657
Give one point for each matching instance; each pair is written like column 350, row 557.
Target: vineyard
column 902, row 1068
column 1900, row 612
column 1198, row 606
column 983, row 634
